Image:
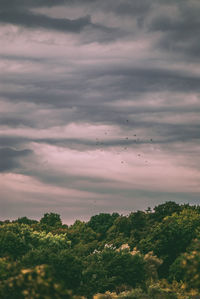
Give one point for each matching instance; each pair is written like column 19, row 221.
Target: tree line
column 152, row 254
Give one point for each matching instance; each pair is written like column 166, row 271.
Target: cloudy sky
column 99, row 106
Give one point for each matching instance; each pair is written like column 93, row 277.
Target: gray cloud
column 10, row 158
column 12, row 141
column 179, row 31
column 115, row 82
column 31, row 20
column 19, row 13
column 14, row 121
column 100, row 106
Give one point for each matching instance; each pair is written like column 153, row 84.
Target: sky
column 99, row 106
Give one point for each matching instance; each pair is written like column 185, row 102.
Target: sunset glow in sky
column 99, row 106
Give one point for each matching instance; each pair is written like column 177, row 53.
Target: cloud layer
column 99, row 106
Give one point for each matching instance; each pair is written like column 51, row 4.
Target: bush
column 32, row 284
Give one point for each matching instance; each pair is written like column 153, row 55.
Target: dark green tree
column 109, row 269
column 33, row 283
column 102, row 222
column 51, row 219
column 25, row 220
column 166, row 209
column 67, row 268
column 14, row 240
column 169, row 238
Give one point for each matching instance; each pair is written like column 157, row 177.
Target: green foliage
column 66, row 268
column 49, row 240
column 109, row 268
column 16, row 240
column 36, row 256
column 186, row 268
column 166, row 209
column 138, row 220
column 119, row 232
column 8, row 268
column 83, row 238
column 51, row 219
column 139, row 225
column 32, row 284
column 152, row 263
column 117, row 256
column 25, row 220
column 13, row 240
column 169, row 238
column 158, row 290
column 137, row 293
column 102, row 222
column 123, row 225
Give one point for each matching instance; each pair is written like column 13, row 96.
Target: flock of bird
column 126, row 142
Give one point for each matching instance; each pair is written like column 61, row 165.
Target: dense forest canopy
column 146, row 254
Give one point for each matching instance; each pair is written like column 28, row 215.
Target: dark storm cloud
column 182, row 23
column 58, row 178
column 18, row 13
column 130, row 7
column 31, row 20
column 10, row 158
column 116, row 89
column 12, row 141
column 138, row 5
column 169, row 133
column 179, row 31
column 35, row 3
column 141, row 80
column 136, row 8
column 116, row 82
column 166, row 134
column 183, row 132
column 14, row 121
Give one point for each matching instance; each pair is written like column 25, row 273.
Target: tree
column 171, row 237
column 14, row 240
column 186, row 267
column 66, row 268
column 109, row 269
column 33, row 283
column 51, row 219
column 139, row 226
column 25, row 220
column 166, row 209
column 102, row 222
column 138, row 220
